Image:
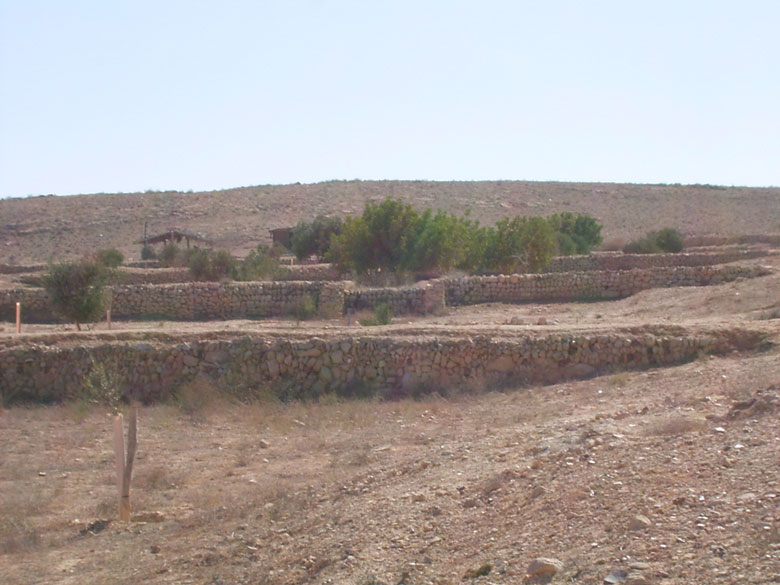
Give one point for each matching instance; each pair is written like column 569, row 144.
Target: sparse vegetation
column 665, row 240
column 305, row 308
column 110, row 257
column 382, row 315
column 262, row 263
column 210, row 265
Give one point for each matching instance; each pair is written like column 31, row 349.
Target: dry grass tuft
column 676, row 425
column 17, row 535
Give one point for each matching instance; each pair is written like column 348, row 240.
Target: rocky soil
column 36, row 229
column 663, row 476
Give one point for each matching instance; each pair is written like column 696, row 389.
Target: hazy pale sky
column 106, row 96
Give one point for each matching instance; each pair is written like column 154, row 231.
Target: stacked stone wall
column 204, row 301
column 620, row 261
column 421, row 299
column 348, row 365
column 572, row 286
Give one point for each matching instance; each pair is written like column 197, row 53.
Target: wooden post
column 18, row 317
column 119, row 455
column 132, row 443
column 108, row 317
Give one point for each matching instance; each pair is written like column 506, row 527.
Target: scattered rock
column 95, row 527
column 639, row 522
column 542, row 321
column 148, row 517
column 480, row 571
column 263, row 444
column 616, row 576
column 542, row 569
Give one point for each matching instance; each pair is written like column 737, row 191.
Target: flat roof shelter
column 176, row 235
column 282, row 236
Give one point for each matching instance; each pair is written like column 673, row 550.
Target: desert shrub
column 314, row 238
column 260, row 264
column 644, row 245
column 305, row 308
column 613, row 245
column 665, row 240
column 669, row 240
column 148, row 253
column 195, row 397
column 103, row 385
column 17, row 535
column 170, row 254
column 110, row 257
column 383, row 313
column 75, row 290
column 210, row 265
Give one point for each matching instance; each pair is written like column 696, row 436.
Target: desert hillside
column 36, row 229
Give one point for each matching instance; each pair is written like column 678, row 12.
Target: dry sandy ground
column 669, row 475
column 656, row 468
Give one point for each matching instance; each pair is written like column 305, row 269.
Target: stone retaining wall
column 348, row 365
column 568, row 286
column 620, row 261
column 421, row 299
column 204, row 301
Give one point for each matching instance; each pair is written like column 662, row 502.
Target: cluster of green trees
column 393, row 236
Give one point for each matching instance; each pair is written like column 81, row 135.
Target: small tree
column 75, row 290
column 669, row 240
column 314, row 238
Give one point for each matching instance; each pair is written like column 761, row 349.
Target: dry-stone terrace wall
column 426, row 298
column 566, row 286
column 620, row 261
column 348, row 365
column 205, row 301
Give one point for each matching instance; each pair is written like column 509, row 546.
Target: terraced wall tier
column 207, row 301
column 568, row 286
column 620, row 261
column 348, row 366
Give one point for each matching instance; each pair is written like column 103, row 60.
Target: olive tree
column 75, row 290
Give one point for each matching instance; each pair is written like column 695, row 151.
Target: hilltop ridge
column 35, row 229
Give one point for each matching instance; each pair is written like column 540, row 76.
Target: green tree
column 314, row 238
column 439, row 243
column 575, row 234
column 380, row 239
column 75, row 290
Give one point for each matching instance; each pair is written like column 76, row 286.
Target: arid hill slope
column 39, row 228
